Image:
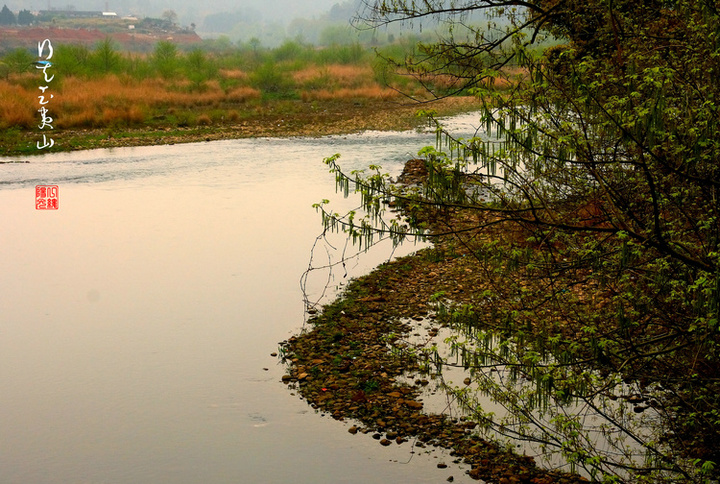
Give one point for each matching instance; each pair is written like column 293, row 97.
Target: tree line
column 23, row 17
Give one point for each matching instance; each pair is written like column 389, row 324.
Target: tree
column 254, row 43
column 74, row 60
column 199, row 68
column 594, row 191
column 106, row 57
column 6, row 16
column 165, row 58
column 25, row 17
column 170, row 17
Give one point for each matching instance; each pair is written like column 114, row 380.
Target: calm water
column 137, row 321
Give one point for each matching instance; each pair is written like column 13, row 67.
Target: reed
column 203, row 120
column 376, row 93
column 242, row 94
column 339, row 75
column 114, row 99
column 18, row 106
column 234, row 74
column 128, row 116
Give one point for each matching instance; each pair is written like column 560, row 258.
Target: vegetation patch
column 346, row 366
column 243, row 92
column 586, row 211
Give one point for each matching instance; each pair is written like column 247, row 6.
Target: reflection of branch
column 306, row 274
column 554, row 438
column 330, row 265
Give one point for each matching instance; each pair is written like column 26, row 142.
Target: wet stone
column 345, row 372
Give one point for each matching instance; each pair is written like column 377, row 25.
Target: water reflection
column 137, row 321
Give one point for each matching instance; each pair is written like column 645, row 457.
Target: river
column 138, row 321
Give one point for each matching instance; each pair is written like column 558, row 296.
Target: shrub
column 203, row 120
column 272, row 80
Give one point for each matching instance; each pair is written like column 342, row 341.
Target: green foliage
column 199, row 67
column 221, row 45
column 18, row 60
column 342, row 54
column 289, row 50
column 165, row 59
column 595, row 190
column 105, row 58
column 139, row 67
column 273, row 81
column 73, row 60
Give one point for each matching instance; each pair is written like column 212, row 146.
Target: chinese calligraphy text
column 45, row 53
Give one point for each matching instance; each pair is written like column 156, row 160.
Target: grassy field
column 119, row 100
column 102, row 94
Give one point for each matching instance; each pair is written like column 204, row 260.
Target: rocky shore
column 347, row 363
column 344, row 366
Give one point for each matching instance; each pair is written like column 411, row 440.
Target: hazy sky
column 279, row 10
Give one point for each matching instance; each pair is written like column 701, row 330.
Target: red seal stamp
column 46, row 197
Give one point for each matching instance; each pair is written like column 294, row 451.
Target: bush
column 272, row 81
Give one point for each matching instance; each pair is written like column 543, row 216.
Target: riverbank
column 273, row 119
column 359, row 360
column 343, row 365
column 355, row 361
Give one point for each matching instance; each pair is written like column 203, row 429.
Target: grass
column 113, row 99
column 94, row 88
column 209, row 91
column 367, row 93
column 17, row 106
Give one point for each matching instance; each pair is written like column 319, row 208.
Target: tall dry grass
column 377, row 93
column 335, row 75
column 340, row 82
column 242, row 94
column 81, row 102
column 234, row 74
column 18, row 106
column 112, row 91
column 112, row 100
